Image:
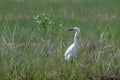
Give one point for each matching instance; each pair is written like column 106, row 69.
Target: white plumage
column 72, row 50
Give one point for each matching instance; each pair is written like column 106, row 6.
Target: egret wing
column 69, row 50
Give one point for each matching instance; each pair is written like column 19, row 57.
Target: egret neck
column 75, row 37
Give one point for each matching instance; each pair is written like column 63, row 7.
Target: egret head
column 76, row 29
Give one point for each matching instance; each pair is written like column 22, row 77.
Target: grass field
column 34, row 37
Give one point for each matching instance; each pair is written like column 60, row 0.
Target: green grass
column 28, row 51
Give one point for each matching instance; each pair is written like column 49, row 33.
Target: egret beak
column 70, row 29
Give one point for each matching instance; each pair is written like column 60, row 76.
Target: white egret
column 72, row 50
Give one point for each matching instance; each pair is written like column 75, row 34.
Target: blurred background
column 34, row 37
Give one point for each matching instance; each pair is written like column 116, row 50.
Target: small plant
column 43, row 21
column 48, row 26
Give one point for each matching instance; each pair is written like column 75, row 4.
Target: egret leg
column 71, row 60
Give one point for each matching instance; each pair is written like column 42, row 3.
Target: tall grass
column 34, row 37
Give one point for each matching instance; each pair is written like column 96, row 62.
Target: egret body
column 72, row 50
